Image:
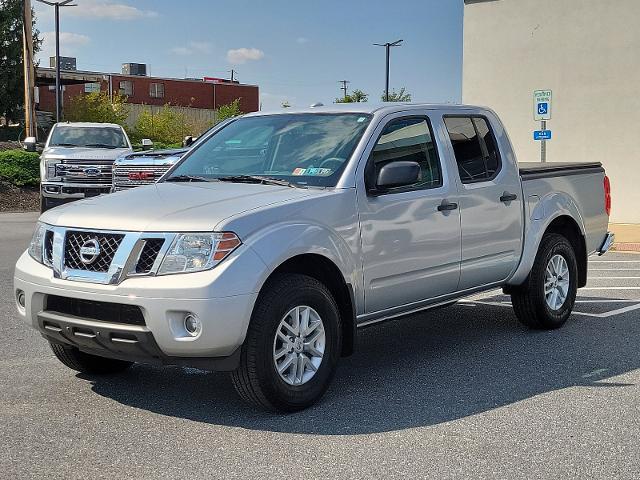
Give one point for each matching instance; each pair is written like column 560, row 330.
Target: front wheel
column 546, row 299
column 292, row 346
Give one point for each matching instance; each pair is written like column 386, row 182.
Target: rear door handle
column 446, row 206
column 508, row 197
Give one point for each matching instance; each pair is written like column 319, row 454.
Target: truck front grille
column 108, row 245
column 149, row 254
column 127, row 176
column 99, row 311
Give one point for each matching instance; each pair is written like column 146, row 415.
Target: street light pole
column 387, row 47
column 56, row 6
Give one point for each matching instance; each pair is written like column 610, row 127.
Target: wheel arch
column 327, row 272
column 567, row 227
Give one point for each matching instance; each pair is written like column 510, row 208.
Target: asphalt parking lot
column 462, row 392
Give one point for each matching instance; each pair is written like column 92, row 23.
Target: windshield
column 304, row 149
column 98, row 137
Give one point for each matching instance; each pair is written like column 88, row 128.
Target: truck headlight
column 37, row 242
column 50, row 168
column 195, row 252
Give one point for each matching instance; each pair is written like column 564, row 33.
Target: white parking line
column 611, row 313
column 614, row 269
column 613, row 278
column 614, row 261
column 610, row 288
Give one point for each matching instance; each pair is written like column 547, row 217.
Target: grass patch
column 20, row 168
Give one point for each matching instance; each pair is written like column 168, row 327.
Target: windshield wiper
column 100, row 145
column 64, row 145
column 257, row 179
column 186, row 178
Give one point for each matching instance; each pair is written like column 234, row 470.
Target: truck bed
column 534, row 170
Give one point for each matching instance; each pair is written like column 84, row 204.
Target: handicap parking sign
column 542, row 105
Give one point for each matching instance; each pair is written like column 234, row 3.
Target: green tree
column 401, row 96
column 357, row 96
column 168, row 126
column 11, row 65
column 228, row 111
column 97, row 107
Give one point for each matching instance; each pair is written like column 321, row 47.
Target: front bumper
column 163, row 301
column 72, row 191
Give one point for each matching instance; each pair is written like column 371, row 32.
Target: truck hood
column 83, row 153
column 171, row 207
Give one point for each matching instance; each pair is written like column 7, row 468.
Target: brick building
column 207, row 93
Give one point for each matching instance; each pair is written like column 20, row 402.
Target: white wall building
column 588, row 53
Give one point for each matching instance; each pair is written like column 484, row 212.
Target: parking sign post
column 542, row 113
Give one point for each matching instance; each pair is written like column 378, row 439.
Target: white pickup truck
column 266, row 247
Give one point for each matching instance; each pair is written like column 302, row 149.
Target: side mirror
column 397, row 174
column 188, row 141
column 147, row 144
column 29, row 144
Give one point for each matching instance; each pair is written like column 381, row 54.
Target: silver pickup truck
column 77, row 161
column 143, row 168
column 266, row 247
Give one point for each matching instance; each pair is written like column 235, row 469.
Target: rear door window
column 474, row 147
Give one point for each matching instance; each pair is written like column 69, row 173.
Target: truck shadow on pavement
column 419, row 371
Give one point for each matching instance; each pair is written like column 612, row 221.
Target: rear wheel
column 546, row 299
column 292, row 346
column 85, row 362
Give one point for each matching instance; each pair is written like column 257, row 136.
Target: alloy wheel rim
column 299, row 345
column 556, row 282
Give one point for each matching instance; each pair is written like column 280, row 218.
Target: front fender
column 283, row 241
column 540, row 216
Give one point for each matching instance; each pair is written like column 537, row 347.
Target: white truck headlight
column 195, row 252
column 50, row 168
column 37, row 242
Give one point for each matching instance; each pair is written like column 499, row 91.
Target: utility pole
column 232, row 75
column 27, row 46
column 387, row 46
column 56, row 6
column 344, row 87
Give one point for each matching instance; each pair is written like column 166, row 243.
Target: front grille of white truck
column 75, row 259
column 149, row 254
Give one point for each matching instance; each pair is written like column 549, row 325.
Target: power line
column 387, row 46
column 344, row 87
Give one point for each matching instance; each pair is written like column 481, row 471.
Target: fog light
column 192, row 325
column 20, row 297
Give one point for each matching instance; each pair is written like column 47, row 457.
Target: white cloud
column 69, row 44
column 302, row 40
column 243, row 55
column 193, row 47
column 107, row 9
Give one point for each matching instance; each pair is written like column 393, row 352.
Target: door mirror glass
column 29, row 144
column 398, row 174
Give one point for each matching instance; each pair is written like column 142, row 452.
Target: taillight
column 607, row 195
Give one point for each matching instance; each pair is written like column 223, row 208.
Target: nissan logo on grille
column 90, row 251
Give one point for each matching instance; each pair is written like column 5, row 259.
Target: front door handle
column 508, row 197
column 446, row 206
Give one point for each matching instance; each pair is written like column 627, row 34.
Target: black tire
column 87, row 363
column 529, row 299
column 256, row 380
column 44, row 204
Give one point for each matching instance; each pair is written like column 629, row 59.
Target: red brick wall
column 184, row 93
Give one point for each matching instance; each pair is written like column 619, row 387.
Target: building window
column 156, row 90
column 126, row 88
column 474, row 147
column 91, row 87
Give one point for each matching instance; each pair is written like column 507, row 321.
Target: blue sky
column 295, row 50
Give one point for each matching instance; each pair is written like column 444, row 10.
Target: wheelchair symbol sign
column 542, row 105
